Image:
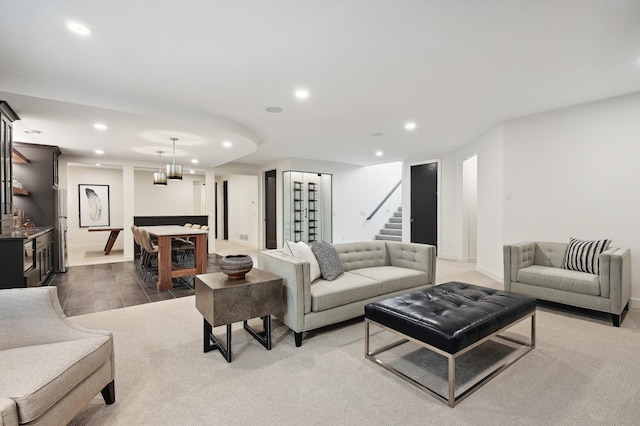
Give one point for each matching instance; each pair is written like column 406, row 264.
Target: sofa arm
column 8, row 412
column 296, row 281
column 615, row 277
column 414, row 256
column 516, row 256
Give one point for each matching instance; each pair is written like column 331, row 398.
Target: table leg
column 211, row 342
column 200, row 253
column 264, row 337
column 164, row 263
column 113, row 236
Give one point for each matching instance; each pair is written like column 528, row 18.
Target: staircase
column 392, row 230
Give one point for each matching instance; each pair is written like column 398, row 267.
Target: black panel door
column 225, row 210
column 270, row 238
column 424, row 204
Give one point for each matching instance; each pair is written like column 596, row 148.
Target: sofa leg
column 109, row 393
column 616, row 320
column 298, row 337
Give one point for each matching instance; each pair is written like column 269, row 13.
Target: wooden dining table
column 167, row 270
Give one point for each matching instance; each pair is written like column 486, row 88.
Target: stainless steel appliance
column 60, row 230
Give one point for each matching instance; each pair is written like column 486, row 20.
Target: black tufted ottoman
column 450, row 319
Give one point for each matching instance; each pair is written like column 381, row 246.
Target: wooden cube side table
column 223, row 301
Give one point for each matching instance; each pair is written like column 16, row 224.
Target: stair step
column 397, row 214
column 388, row 237
column 396, row 232
column 395, row 220
column 393, row 225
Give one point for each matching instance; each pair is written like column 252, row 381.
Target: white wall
column 355, row 189
column 470, row 208
column 176, row 198
column 243, row 208
column 81, row 237
column 574, row 173
column 356, row 193
column 488, row 148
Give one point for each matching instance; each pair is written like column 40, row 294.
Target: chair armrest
column 414, row 256
column 8, row 412
column 516, row 256
column 615, row 277
column 296, row 281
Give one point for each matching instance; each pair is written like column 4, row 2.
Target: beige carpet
column 583, row 371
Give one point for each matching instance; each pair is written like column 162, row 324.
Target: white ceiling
column 204, row 71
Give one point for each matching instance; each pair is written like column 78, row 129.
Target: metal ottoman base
column 521, row 349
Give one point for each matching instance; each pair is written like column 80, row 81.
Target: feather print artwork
column 95, row 206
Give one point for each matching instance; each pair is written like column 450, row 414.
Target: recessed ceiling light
column 100, row 126
column 227, row 144
column 98, row 164
column 410, row 125
column 192, row 171
column 194, row 161
column 33, row 132
column 377, row 134
column 99, row 151
column 379, row 153
column 273, row 109
column 78, row 28
column 302, row 93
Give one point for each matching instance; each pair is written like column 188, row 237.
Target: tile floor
column 95, row 282
column 92, row 288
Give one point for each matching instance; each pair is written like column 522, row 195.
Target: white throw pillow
column 302, row 251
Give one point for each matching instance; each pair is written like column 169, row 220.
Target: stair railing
column 384, row 200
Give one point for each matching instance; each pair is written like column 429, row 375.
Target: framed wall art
column 94, row 205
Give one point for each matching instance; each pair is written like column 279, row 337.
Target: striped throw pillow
column 584, row 256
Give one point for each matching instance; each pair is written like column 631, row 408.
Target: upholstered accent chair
column 535, row 268
column 50, row 369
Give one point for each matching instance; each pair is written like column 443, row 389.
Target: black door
column 225, row 210
column 424, row 204
column 215, row 197
column 270, row 238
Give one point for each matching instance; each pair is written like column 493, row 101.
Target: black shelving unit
column 297, row 211
column 312, row 212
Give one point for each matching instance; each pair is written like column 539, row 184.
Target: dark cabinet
column 44, row 256
column 37, row 171
column 27, row 257
column 7, row 117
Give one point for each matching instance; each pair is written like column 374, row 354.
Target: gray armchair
column 534, row 269
column 49, row 368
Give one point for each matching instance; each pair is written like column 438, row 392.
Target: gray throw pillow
column 328, row 260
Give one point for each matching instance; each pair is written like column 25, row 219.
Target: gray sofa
column 534, row 269
column 373, row 270
column 50, row 369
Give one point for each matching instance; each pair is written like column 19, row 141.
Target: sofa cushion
column 302, row 251
column 584, row 256
column 561, row 279
column 347, row 288
column 362, row 254
column 328, row 259
column 54, row 370
column 393, row 278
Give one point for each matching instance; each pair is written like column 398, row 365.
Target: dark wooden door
column 424, row 204
column 271, row 240
column 225, row 210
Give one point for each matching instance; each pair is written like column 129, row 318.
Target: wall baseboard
column 489, row 273
column 446, row 256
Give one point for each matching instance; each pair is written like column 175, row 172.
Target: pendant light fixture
column 174, row 171
column 160, row 177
